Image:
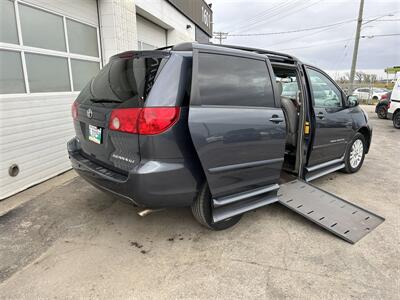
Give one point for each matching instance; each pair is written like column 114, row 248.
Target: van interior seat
column 292, row 118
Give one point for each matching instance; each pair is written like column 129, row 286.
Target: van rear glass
column 125, row 79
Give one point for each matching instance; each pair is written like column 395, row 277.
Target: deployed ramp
column 348, row 221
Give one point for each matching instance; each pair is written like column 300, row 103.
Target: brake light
column 146, row 121
column 124, row 119
column 155, row 120
column 74, row 110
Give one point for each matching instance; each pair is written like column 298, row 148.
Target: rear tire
column 201, row 209
column 382, row 112
column 355, row 154
column 396, row 120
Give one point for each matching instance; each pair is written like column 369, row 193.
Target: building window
column 82, row 71
column 11, row 76
column 42, row 29
column 47, row 73
column 82, row 38
column 53, row 54
column 8, row 28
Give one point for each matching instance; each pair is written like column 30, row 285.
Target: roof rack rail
column 257, row 50
column 165, row 47
column 188, row 46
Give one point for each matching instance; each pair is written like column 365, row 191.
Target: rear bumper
column 150, row 184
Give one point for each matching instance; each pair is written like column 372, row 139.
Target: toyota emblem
column 89, row 113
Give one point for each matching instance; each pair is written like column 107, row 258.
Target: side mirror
column 352, row 101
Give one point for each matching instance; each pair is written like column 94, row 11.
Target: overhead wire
column 288, row 13
column 261, row 14
column 294, row 31
column 268, row 13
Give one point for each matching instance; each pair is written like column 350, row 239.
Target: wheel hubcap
column 356, row 153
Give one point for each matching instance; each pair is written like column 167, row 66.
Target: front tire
column 201, row 209
column 382, row 112
column 396, row 120
column 355, row 154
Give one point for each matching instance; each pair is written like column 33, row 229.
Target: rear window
column 125, row 79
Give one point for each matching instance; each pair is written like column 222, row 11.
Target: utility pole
column 356, row 44
column 220, row 36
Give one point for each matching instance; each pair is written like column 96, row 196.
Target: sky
column 329, row 47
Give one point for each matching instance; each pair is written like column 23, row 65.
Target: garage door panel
column 150, row 34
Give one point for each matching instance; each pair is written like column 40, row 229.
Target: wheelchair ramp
column 348, row 221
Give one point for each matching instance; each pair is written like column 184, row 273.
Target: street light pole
column 356, row 44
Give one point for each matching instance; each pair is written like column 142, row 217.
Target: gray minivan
column 207, row 126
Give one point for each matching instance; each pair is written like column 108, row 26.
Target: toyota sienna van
column 216, row 128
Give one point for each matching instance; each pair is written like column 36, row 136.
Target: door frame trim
column 246, row 165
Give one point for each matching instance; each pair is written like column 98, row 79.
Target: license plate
column 95, row 134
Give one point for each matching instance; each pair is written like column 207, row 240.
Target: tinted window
column 235, row 81
column 325, row 93
column 125, row 79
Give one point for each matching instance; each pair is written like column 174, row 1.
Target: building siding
column 34, row 130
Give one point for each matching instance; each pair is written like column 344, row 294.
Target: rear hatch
column 121, row 86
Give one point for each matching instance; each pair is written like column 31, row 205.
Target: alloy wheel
column 356, row 153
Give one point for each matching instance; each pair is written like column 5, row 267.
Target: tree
column 359, row 76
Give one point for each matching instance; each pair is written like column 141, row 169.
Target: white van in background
column 394, row 108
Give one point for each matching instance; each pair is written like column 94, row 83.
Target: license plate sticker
column 95, row 134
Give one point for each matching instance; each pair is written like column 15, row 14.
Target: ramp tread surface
column 348, row 221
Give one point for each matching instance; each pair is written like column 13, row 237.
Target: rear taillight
column 147, row 121
column 155, row 120
column 124, row 119
column 384, row 96
column 74, row 110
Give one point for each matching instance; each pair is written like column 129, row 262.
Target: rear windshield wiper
column 106, row 100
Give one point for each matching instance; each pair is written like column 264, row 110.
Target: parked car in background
column 382, row 107
column 394, row 106
column 370, row 93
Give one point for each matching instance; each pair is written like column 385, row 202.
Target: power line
column 266, row 14
column 286, row 41
column 292, row 9
column 379, row 35
column 337, row 41
column 262, row 14
column 316, row 44
column 293, row 31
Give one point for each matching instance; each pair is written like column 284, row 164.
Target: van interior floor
column 286, row 177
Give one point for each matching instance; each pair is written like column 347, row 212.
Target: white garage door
column 46, row 57
column 150, row 35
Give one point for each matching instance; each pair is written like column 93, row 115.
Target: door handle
column 320, row 115
column 276, row 119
